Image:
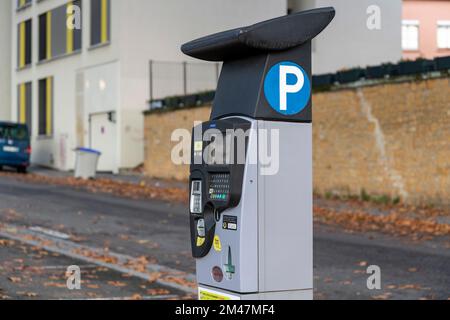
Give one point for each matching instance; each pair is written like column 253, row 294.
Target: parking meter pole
column 251, row 221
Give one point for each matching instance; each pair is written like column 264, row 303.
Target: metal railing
column 169, row 79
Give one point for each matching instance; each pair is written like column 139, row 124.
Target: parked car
column 15, row 148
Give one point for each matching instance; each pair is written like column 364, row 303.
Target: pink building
column 426, row 29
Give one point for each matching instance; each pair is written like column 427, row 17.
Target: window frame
column 445, row 24
column 416, row 25
column 46, row 107
column 24, row 44
column 26, row 4
column 46, row 35
column 104, row 24
column 25, row 104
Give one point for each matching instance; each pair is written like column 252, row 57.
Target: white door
column 104, row 139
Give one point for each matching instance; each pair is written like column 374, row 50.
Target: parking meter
column 251, row 172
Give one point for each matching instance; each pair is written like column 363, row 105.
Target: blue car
column 15, row 148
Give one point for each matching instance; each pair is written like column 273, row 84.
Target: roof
column 295, row 29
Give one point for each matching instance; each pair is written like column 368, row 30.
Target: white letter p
column 291, row 88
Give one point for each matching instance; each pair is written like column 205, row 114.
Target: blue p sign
column 287, row 88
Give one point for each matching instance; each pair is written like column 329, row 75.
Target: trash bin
column 86, row 163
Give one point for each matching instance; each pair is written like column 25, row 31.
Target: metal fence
column 169, row 79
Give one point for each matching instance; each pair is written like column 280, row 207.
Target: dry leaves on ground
column 400, row 220
column 103, row 257
column 119, row 188
column 393, row 223
column 6, row 243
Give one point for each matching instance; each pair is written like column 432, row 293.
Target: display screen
column 219, row 186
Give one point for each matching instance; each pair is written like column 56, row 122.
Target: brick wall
column 388, row 139
column 158, row 145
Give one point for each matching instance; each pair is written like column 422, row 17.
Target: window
column 55, row 37
column 46, row 106
column 13, row 131
column 23, row 4
column 100, row 22
column 410, row 35
column 443, row 34
column 73, row 35
column 24, row 100
column 24, row 52
column 45, row 50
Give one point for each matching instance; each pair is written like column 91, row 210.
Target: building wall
column 158, row 145
column 156, row 30
column 388, row 139
column 115, row 77
column 428, row 13
column 347, row 42
column 5, row 61
column 56, row 151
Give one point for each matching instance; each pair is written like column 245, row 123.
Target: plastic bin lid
column 87, row 150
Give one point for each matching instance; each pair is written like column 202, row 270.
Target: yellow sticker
column 198, row 146
column 204, row 294
column 200, row 241
column 217, row 244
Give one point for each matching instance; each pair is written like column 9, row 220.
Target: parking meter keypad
column 219, row 186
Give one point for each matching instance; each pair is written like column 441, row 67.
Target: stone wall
column 387, row 139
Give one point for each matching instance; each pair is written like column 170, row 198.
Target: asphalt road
column 29, row 272
column 159, row 232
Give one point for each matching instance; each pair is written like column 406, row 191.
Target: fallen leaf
column 158, row 292
column 384, row 296
column 55, row 285
column 15, row 279
column 30, row 294
column 92, row 286
column 410, row 287
column 391, row 286
column 117, row 284
column 359, row 271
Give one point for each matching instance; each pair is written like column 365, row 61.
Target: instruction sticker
column 217, row 244
column 230, row 223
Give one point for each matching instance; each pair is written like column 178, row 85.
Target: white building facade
column 363, row 33
column 5, row 61
column 79, row 69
